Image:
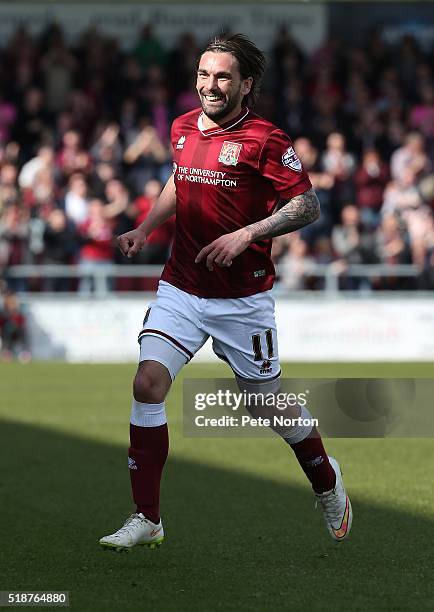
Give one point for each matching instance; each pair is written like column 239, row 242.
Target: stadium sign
column 382, row 329
column 307, row 23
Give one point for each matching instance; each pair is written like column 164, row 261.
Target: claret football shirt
column 228, row 177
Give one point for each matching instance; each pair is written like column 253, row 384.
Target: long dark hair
column 251, row 60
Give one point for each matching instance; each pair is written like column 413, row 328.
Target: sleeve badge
column 290, row 159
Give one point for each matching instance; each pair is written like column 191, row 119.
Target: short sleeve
column 174, row 134
column 278, row 162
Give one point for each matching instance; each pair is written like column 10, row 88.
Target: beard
column 218, row 112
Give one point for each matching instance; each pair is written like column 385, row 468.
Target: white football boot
column 136, row 531
column 336, row 506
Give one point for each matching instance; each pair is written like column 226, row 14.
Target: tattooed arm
column 295, row 214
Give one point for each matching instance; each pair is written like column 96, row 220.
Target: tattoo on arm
column 295, row 214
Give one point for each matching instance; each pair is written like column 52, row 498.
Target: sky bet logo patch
column 290, row 159
column 230, row 153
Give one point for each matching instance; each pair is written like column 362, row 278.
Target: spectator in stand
column 38, row 190
column 393, row 247
column 128, row 120
column 403, row 198
column 14, row 234
column 370, row 181
column 120, row 210
column 145, row 155
column 357, row 94
column 408, row 58
column 158, row 243
column 43, row 160
column 84, row 110
column 8, row 115
column 421, row 232
column 107, row 148
column 130, row 85
column 325, row 118
column 340, row 164
column 296, row 266
column 101, row 174
column 60, row 247
column 76, row 199
column 323, row 250
column 22, row 48
column 96, row 236
column 72, row 157
column 323, row 183
column 279, row 248
column 422, row 114
column 157, row 246
column 43, row 197
column 388, row 89
column 8, row 175
column 351, row 244
column 157, row 103
column 10, row 153
column 58, row 66
column 32, row 122
column 325, row 91
column 149, row 49
column 349, row 240
column 410, row 157
column 13, row 332
column 117, row 203
column 402, row 194
column 292, row 108
column 8, row 185
column 288, row 58
column 181, row 65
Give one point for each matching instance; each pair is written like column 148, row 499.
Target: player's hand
column 131, row 243
column 223, row 250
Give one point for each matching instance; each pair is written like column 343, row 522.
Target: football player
column 231, row 170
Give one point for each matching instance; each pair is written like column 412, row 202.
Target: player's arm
column 295, row 214
column 130, row 243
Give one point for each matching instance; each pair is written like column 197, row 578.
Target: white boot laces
column 330, row 504
column 129, row 524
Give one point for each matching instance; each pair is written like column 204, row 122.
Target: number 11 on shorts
column 257, row 345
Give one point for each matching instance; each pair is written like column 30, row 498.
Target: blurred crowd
column 84, row 152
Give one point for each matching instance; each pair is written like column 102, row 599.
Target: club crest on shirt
column 230, row 153
column 290, row 159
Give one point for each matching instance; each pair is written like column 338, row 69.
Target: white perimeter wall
column 382, row 329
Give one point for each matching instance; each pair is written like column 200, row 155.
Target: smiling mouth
column 212, row 98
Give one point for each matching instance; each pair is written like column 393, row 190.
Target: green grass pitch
column 241, row 529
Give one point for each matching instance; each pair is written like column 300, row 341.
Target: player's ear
column 246, row 86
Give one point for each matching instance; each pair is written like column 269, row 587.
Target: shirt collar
column 225, row 126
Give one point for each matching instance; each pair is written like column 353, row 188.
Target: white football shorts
column 243, row 331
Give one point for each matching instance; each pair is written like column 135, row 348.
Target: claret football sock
column 314, row 462
column 149, row 447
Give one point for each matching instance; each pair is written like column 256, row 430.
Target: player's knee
column 148, row 389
